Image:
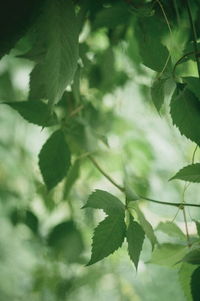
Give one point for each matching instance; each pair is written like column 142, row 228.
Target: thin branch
column 122, row 189
column 105, row 174
column 194, row 35
column 186, row 228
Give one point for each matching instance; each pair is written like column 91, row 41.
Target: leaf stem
column 122, row 189
column 194, row 35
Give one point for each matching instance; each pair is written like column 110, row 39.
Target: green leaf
column 34, row 112
column 60, row 31
column 168, row 254
column 108, row 237
column 146, row 226
column 66, row 240
column 104, row 200
column 135, row 238
column 72, row 176
column 185, row 113
column 195, row 284
column 198, row 227
column 157, row 93
column 190, row 173
column 193, row 257
column 185, row 273
column 54, row 159
column 193, row 84
column 171, row 229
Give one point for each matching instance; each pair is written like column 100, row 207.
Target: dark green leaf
column 193, row 256
column 54, row 159
column 193, row 84
column 195, row 284
column 171, row 229
column 157, row 93
column 185, row 113
column 103, row 200
column 66, row 240
column 198, row 227
column 190, row 173
column 34, row 112
column 31, row 221
column 135, row 238
column 108, row 237
column 60, row 30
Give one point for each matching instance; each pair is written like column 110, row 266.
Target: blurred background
column 45, row 238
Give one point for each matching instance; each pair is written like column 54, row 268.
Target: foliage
column 80, row 55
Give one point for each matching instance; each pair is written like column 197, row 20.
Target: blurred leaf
column 185, row 113
column 31, row 221
column 103, row 200
column 193, row 84
column 66, row 240
column 135, row 238
column 108, row 237
column 198, row 227
column 54, row 159
column 34, row 112
column 192, row 257
column 171, row 229
column 146, row 226
column 168, row 254
column 71, row 178
column 195, row 283
column 157, row 92
column 185, row 273
column 190, row 173
column 60, row 29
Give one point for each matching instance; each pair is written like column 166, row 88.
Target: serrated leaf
column 171, row 229
column 185, row 113
column 195, row 284
column 193, row 84
column 146, row 226
column 104, row 200
column 60, row 29
column 54, row 159
column 108, row 237
column 34, row 112
column 190, row 173
column 193, row 257
column 157, row 93
column 185, row 273
column 168, row 254
column 135, row 238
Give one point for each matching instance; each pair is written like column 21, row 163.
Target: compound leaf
column 54, row 159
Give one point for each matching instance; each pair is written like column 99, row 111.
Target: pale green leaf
column 190, row 173
column 168, row 254
column 104, row 200
column 135, row 238
column 54, row 159
column 59, row 26
column 34, row 112
column 171, row 229
column 185, row 273
column 185, row 113
column 108, row 237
